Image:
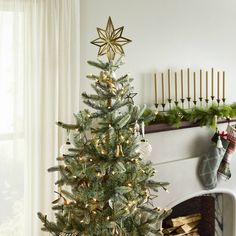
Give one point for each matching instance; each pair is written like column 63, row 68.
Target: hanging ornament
column 117, row 150
column 64, row 150
column 121, row 150
column 111, row 203
column 71, row 233
column 130, row 97
column 144, row 147
column 136, row 129
column 219, row 142
column 60, row 200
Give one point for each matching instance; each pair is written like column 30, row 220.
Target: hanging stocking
column 224, row 169
column 210, row 162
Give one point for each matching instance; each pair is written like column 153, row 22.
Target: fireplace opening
column 201, row 215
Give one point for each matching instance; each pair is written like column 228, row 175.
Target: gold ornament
column 117, row 150
column 110, row 41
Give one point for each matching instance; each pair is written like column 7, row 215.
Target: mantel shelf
column 184, row 125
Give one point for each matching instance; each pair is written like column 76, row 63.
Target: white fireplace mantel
column 176, row 156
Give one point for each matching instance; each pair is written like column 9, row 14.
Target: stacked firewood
column 184, row 225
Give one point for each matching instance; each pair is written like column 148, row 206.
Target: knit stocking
column 224, row 169
column 210, row 162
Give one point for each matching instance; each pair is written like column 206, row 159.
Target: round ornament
column 144, row 148
column 64, row 150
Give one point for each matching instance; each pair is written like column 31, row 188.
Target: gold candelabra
column 176, row 87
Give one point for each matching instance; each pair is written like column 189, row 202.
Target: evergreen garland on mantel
column 202, row 116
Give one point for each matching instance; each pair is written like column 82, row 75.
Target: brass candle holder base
column 188, row 99
column 212, row 98
column 223, row 99
column 218, row 101
column 182, row 101
column 163, row 106
column 169, row 101
column 156, row 106
column 200, row 99
column 195, row 102
column 207, row 101
column 176, row 103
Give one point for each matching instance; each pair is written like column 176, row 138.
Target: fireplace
column 201, row 215
column 176, row 156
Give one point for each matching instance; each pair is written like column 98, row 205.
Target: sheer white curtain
column 44, row 71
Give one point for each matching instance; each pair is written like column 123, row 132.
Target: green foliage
column 201, row 116
column 109, row 188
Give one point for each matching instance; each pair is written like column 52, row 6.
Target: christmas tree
column 105, row 187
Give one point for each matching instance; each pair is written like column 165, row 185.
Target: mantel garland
column 202, row 116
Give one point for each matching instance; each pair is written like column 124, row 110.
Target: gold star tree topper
column 110, row 41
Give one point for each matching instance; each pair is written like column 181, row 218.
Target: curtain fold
column 50, row 67
column 52, row 77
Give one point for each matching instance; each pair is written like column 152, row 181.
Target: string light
column 129, row 184
column 108, row 218
column 91, row 159
column 113, row 172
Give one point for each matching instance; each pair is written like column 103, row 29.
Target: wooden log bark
column 184, row 220
column 186, row 228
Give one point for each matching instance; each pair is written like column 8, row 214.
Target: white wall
column 166, row 34
column 169, row 34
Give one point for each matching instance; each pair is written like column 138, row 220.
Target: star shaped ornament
column 110, row 41
column 130, row 97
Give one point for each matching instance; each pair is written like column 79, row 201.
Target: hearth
column 202, row 215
